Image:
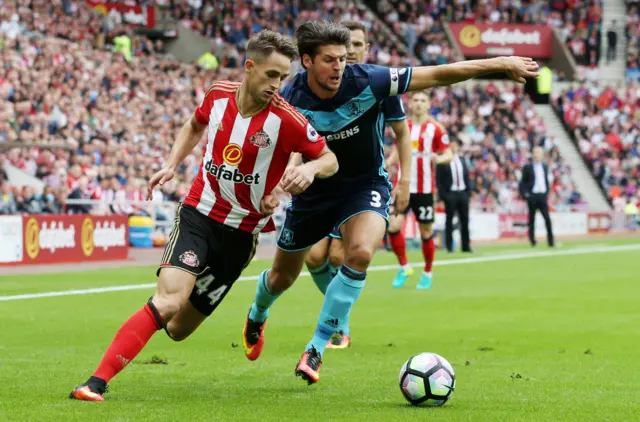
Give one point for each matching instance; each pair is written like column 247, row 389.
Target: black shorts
column 216, row 254
column 422, row 206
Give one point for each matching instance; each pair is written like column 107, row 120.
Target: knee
column 314, row 260
column 167, row 305
column 395, row 224
column 280, row 279
column 426, row 230
column 359, row 257
column 177, row 333
column 336, row 258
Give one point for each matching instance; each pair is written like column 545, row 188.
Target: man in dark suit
column 534, row 187
column 454, row 189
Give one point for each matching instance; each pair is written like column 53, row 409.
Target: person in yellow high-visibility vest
column 544, row 84
column 208, row 61
column 122, row 44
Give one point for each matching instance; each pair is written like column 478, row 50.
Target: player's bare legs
column 362, row 234
column 399, row 247
column 429, row 253
column 185, row 322
column 172, row 292
column 284, row 271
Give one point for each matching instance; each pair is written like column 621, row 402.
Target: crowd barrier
column 42, row 239
column 494, row 226
column 46, row 239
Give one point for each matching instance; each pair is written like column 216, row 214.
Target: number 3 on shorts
column 375, row 199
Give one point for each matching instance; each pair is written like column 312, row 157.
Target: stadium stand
column 579, row 22
column 603, row 123
column 112, row 139
column 632, row 33
column 497, row 125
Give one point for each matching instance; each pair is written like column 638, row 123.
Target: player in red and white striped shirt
column 252, row 133
column 429, row 146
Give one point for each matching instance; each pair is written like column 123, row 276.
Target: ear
column 307, row 61
column 367, row 47
column 249, row 65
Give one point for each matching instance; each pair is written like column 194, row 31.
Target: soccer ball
column 427, row 379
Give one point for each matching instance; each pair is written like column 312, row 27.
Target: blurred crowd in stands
column 100, row 121
column 604, row 123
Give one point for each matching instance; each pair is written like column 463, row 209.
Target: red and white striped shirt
column 245, row 158
column 427, row 138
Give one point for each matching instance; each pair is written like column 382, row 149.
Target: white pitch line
column 461, row 261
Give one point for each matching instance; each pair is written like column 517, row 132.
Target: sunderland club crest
column 260, row 139
column 189, row 258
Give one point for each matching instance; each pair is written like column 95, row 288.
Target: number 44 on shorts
column 202, row 286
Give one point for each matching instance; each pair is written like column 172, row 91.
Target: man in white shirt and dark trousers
column 453, row 184
column 534, row 187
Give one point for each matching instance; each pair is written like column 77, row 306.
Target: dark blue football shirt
column 352, row 122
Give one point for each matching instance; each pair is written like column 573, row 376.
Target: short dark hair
column 265, row 42
column 355, row 26
column 314, row 34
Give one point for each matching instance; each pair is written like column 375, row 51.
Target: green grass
column 544, row 339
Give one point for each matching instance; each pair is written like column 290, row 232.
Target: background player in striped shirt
column 344, row 105
column 252, row 133
column 327, row 256
column 429, row 146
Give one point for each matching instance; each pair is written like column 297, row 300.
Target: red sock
column 129, row 340
column 399, row 246
column 429, row 252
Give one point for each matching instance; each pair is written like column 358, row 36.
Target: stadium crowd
column 102, row 123
column 420, row 22
column 632, row 33
column 604, row 123
column 497, row 126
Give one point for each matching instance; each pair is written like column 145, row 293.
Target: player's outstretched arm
column 188, row 137
column 518, row 69
column 403, row 140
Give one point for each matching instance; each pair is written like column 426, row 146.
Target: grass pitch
column 551, row 338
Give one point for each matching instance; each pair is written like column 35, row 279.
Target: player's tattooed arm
column 188, row 137
column 518, row 69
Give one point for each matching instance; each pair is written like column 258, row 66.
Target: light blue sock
column 333, row 271
column 264, row 299
column 321, row 276
column 342, row 293
column 344, row 326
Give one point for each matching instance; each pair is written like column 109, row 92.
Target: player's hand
column 297, row 179
column 401, row 196
column 269, row 203
column 160, row 178
column 520, row 69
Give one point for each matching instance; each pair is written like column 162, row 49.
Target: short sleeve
column 306, row 140
column 441, row 139
column 203, row 111
column 387, row 81
column 392, row 109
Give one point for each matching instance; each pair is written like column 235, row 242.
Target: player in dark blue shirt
column 343, row 103
column 327, row 256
